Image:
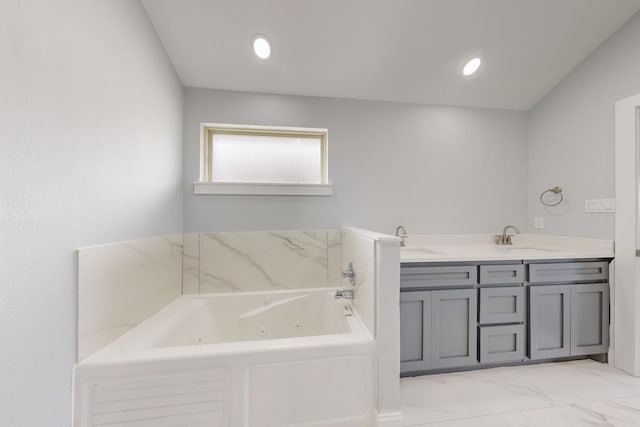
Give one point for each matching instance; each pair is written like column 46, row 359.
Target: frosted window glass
column 266, row 159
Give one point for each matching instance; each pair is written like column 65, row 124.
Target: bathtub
column 281, row 358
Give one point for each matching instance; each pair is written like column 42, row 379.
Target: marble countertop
column 451, row 248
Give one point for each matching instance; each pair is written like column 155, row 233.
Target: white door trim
column 625, row 348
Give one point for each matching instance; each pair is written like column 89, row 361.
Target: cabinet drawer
column 568, row 272
column 499, row 274
column 501, row 343
column 502, row 305
column 430, row 277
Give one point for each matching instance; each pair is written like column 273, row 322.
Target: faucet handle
column 350, row 273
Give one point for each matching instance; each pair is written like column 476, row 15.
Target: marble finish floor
column 563, row 394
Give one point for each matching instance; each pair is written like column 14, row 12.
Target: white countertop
column 481, row 247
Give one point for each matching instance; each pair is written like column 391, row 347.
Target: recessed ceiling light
column 471, row 67
column 261, row 46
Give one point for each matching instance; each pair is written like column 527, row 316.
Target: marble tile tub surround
column 563, row 394
column 360, row 250
column 121, row 284
column 191, row 263
column 261, row 260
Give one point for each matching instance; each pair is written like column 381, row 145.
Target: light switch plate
column 599, row 205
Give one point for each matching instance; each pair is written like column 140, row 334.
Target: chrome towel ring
column 545, row 200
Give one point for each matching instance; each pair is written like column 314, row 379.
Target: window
column 263, row 160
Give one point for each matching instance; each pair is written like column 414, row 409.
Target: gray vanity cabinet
column 437, row 329
column 459, row 315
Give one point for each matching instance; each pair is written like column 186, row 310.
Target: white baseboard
column 390, row 419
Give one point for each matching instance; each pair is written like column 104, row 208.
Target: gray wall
column 433, row 169
column 571, row 136
column 90, row 152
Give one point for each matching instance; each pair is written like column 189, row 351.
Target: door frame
column 624, row 350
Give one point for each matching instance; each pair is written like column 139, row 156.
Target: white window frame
column 206, row 185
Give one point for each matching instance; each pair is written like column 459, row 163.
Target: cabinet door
column 454, row 331
column 549, row 321
column 415, row 331
column 589, row 319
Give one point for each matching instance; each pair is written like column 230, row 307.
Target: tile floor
column 564, row 394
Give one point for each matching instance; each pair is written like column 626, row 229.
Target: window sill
column 230, row 188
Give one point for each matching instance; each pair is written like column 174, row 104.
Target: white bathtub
column 284, row 358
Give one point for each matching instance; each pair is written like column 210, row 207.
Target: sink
column 418, row 251
column 524, row 250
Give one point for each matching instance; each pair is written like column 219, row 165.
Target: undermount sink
column 418, row 250
column 528, row 249
column 523, row 248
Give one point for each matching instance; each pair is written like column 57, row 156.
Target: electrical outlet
column 538, row 223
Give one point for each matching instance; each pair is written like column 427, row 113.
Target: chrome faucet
column 504, row 238
column 349, row 273
column 401, row 236
column 344, row 294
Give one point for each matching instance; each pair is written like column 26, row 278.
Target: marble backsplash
column 261, row 260
column 122, row 284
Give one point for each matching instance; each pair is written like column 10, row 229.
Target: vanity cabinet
column 438, row 328
column 569, row 318
column 459, row 315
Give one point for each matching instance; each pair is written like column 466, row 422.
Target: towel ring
column 554, row 190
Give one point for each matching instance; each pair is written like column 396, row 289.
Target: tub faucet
column 344, row 294
column 401, row 236
column 504, row 238
column 350, row 273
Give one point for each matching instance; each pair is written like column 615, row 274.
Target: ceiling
column 391, row 50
